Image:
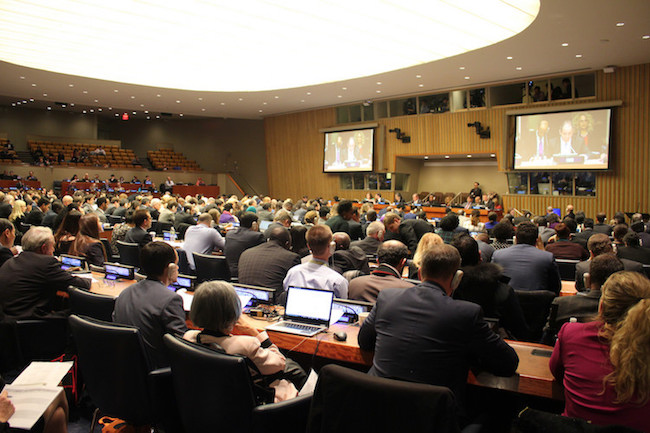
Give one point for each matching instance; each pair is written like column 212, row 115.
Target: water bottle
column 172, row 232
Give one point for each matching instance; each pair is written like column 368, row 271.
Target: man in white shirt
column 316, row 272
column 202, row 239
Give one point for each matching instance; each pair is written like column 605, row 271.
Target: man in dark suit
column 528, row 267
column 51, row 214
column 374, row 237
column 633, row 249
column 599, row 244
column 356, row 230
column 339, row 222
column 583, row 306
column 420, row 225
column 420, row 334
column 267, row 264
column 102, row 205
column 120, row 211
column 397, row 230
column 7, row 238
column 149, row 305
column 346, row 258
column 583, row 237
column 29, row 281
column 238, row 240
column 35, row 217
column 140, row 233
column 601, row 226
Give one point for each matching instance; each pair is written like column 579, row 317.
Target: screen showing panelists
column 348, row 150
column 567, row 140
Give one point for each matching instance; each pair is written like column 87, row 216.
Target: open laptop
column 351, row 309
column 307, row 312
column 254, row 295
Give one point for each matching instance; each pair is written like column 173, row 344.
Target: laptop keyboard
column 298, row 327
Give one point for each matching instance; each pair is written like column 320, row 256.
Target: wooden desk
column 112, row 288
column 441, row 211
column 205, row 190
column 7, row 184
column 568, row 288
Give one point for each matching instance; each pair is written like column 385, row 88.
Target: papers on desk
column 86, row 275
column 336, row 315
column 244, row 300
column 34, row 390
column 187, row 299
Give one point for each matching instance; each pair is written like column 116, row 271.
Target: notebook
column 307, row 312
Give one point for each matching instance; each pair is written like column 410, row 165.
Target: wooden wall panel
column 294, row 147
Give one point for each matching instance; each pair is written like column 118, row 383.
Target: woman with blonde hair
column 605, row 365
column 427, row 241
column 17, row 215
column 87, row 243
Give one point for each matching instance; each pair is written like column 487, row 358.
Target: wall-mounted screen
column 570, row 140
column 346, row 151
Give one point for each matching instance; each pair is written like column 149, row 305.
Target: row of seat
column 167, row 158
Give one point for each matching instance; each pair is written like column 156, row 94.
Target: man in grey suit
column 149, row 305
column 583, row 306
column 267, row 264
column 599, row 243
column 245, row 236
column 374, row 237
column 528, row 267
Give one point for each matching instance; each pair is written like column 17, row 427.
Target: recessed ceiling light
column 49, row 108
column 178, row 101
column 22, row 78
column 462, row 68
column 99, row 109
column 72, row 105
column 84, row 111
column 84, row 91
column 181, row 114
column 276, row 97
column 620, row 24
column 132, row 97
column 240, row 99
column 110, row 108
column 509, row 58
column 447, row 156
column 33, row 84
column 116, row 114
column 302, row 100
column 378, row 91
column 260, row 111
column 158, row 117
column 263, row 103
column 518, row 68
column 379, row 83
column 116, row 91
column 344, row 88
column 24, row 102
column 31, row 99
column 158, row 95
column 308, row 93
column 469, row 156
column 467, row 78
column 418, row 76
column 200, row 99
column 134, row 112
column 92, row 111
column 426, row 157
column 96, row 100
column 202, row 109
column 70, row 85
column 223, row 103
column 44, row 94
column 420, row 85
column 578, row 56
column 339, row 96
column 565, row 44
column 148, row 117
column 146, row 111
column 645, row 37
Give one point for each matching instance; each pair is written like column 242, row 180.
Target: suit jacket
column 5, row 254
column 48, row 219
column 5, row 210
column 338, row 224
column 638, row 254
column 581, row 306
column 406, row 235
column 567, row 250
column 350, row 260
column 139, row 236
column 420, row 227
column 183, row 218
column 603, row 228
column 266, row 265
column 356, row 230
column 101, row 215
column 35, row 217
column 238, row 241
column 529, row 268
column 120, row 211
column 583, row 267
column 368, row 244
column 29, row 282
column 265, row 215
column 422, row 335
column 583, row 237
column 155, row 310
column 367, row 287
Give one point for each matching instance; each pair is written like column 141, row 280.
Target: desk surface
column 533, row 374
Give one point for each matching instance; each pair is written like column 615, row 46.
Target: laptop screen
column 351, row 309
column 68, row 261
column 310, row 305
column 256, row 295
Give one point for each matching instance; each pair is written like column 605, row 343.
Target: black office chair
column 116, row 370
column 646, row 269
column 209, row 267
column 214, row 390
column 536, row 305
column 85, row 303
column 567, row 269
column 107, row 248
column 41, row 339
column 347, row 400
column 24, row 228
column 129, row 253
column 163, row 227
column 112, row 219
column 183, row 264
column 536, row 421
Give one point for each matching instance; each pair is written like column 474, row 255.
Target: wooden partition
column 295, row 147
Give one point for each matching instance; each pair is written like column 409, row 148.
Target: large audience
column 444, row 275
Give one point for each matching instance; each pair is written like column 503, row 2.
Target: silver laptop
column 307, row 312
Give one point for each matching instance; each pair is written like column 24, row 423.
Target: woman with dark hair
column 604, row 364
column 398, row 198
column 216, row 308
column 502, row 232
column 299, row 241
column 87, row 243
column 67, row 232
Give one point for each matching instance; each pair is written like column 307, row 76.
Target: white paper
column 244, row 300
column 187, row 299
column 46, row 374
column 336, row 315
column 87, row 276
column 310, row 384
column 30, row 403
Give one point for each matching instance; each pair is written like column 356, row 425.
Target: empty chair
column 129, row 253
column 163, row 226
column 347, row 400
column 85, row 303
column 115, row 368
column 223, row 386
column 536, row 305
column 567, row 269
column 209, row 267
column 183, row 264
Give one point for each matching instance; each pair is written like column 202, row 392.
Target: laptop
column 254, row 295
column 265, row 225
column 307, row 312
column 351, row 309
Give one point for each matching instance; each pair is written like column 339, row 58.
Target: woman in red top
column 605, row 365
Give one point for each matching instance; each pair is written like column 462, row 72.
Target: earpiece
column 455, row 282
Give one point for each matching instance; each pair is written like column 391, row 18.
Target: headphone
column 455, row 282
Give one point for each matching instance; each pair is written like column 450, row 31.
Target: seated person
column 139, row 234
column 425, row 244
column 67, row 231
column 603, row 365
column 346, row 258
column 563, row 248
column 584, row 305
column 87, row 243
column 149, row 305
column 7, row 237
column 484, row 284
column 29, row 282
column 632, row 250
column 217, row 310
